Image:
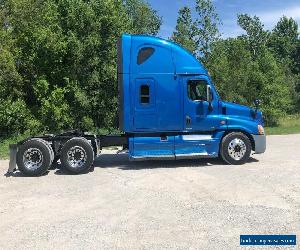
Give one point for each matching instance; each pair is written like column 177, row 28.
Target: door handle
column 188, row 120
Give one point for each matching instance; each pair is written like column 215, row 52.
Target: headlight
column 261, row 129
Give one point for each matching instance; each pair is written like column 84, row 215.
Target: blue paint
column 162, row 102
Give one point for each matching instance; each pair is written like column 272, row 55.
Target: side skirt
column 172, row 157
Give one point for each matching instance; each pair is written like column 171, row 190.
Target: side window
column 145, row 94
column 144, row 54
column 197, row 90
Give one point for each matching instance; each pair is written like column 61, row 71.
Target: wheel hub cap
column 33, row 158
column 76, row 157
column 237, row 149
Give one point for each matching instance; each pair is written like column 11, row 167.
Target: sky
column 269, row 12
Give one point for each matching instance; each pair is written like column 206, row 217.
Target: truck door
column 199, row 116
column 199, row 119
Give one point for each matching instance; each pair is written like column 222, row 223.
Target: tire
column 34, row 157
column 77, row 155
column 49, row 147
column 235, row 148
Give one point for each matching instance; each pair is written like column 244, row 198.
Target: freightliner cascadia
column 169, row 109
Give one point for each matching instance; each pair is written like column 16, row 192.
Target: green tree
column 143, row 19
column 230, row 66
column 10, row 79
column 207, row 31
column 284, row 43
column 297, row 58
column 184, row 33
column 284, row 40
column 241, row 78
column 16, row 117
column 256, row 36
column 59, row 58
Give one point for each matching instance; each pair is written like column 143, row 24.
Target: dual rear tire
column 77, row 155
column 35, row 156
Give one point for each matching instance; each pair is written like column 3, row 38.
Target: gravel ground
column 190, row 204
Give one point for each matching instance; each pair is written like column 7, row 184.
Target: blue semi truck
column 168, row 109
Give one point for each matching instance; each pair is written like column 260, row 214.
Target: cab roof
column 185, row 63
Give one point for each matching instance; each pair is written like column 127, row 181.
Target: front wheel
column 235, row 148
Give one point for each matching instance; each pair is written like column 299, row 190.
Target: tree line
column 260, row 64
column 58, row 60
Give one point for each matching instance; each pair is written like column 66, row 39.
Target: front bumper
column 259, row 143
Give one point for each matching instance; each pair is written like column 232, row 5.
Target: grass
column 4, row 144
column 287, row 125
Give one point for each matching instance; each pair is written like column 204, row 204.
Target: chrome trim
column 196, row 137
column 152, row 157
column 237, row 149
column 33, row 158
column 191, row 156
column 173, row 157
column 76, row 157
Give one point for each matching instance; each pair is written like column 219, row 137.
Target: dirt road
column 195, row 204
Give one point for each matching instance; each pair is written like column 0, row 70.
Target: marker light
column 261, row 130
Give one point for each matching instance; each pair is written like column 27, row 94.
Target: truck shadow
column 121, row 161
column 17, row 173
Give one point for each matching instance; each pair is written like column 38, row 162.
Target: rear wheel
column 34, row 157
column 77, row 155
column 235, row 148
column 49, row 147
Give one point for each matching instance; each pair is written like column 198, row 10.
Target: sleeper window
column 145, row 94
column 144, row 54
column 197, row 90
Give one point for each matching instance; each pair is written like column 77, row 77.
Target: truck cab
column 170, row 109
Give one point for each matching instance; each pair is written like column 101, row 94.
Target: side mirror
column 256, row 102
column 209, row 97
column 209, row 94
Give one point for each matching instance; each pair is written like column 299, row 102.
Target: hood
column 234, row 109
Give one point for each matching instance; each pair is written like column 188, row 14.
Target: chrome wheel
column 76, row 157
column 33, row 158
column 237, row 149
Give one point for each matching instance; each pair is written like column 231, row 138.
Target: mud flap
column 13, row 148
